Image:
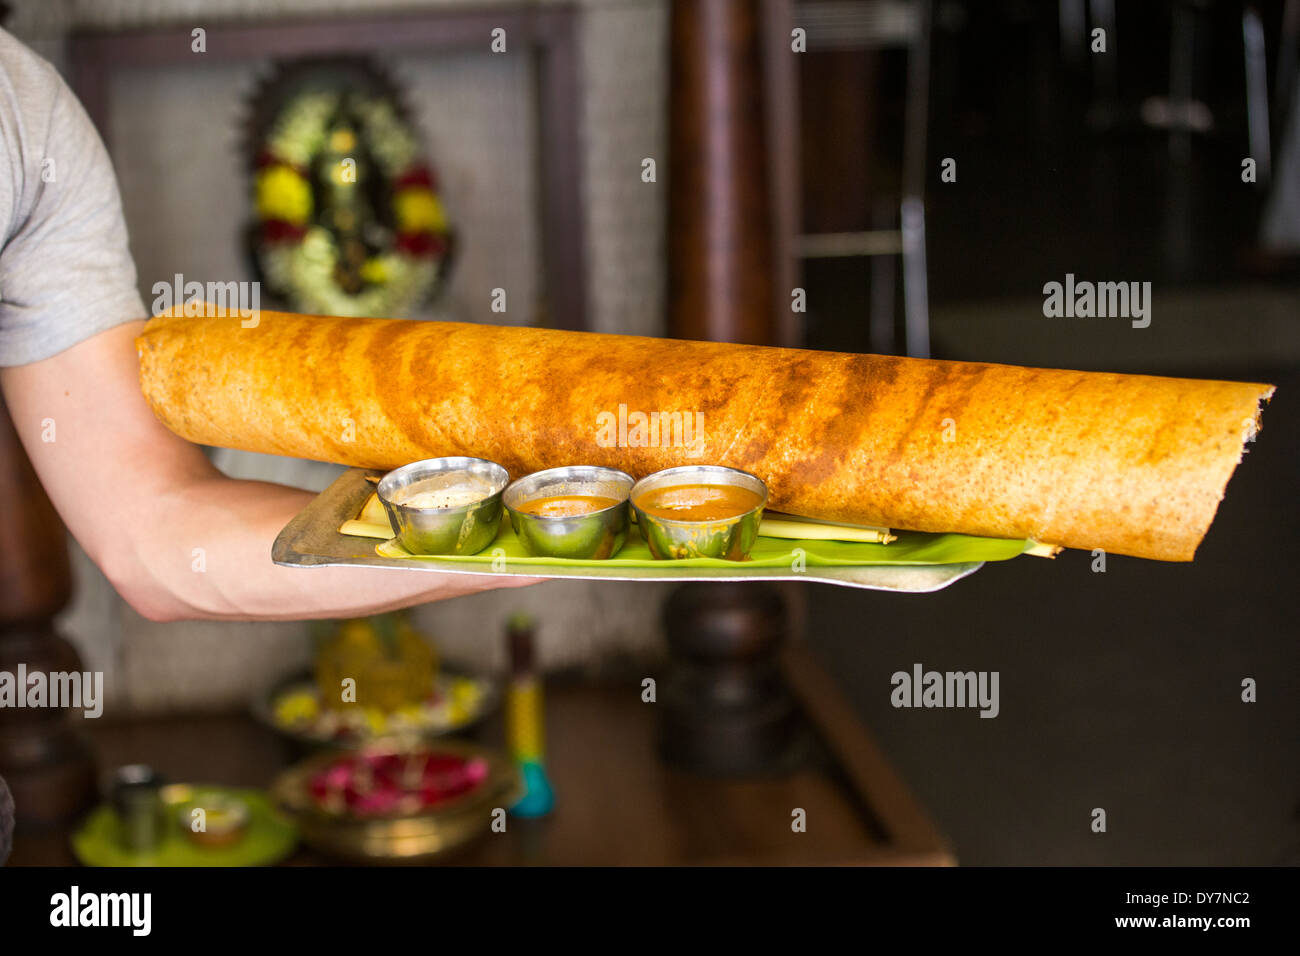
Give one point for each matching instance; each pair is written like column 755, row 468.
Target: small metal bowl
column 465, row 529
column 595, row 535
column 226, row 817
column 729, row 538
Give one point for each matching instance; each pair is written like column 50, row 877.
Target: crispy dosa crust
column 1132, row 464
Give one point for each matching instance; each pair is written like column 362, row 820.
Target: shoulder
column 34, row 101
column 30, row 88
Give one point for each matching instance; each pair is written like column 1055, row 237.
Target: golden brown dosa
column 1132, row 464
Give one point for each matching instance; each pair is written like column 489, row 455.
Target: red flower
column 417, row 176
column 373, row 784
column 277, row 230
column 422, row 244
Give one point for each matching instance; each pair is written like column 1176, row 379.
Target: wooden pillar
column 724, row 708
column 720, row 256
column 46, row 763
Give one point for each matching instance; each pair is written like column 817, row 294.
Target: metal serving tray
column 312, row 540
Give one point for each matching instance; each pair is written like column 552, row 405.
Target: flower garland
column 349, row 221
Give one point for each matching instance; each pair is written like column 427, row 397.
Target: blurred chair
column 881, row 25
column 1259, row 117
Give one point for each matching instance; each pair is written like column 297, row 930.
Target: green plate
column 270, row 837
column 911, row 548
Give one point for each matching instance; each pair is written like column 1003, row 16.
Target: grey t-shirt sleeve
column 65, row 267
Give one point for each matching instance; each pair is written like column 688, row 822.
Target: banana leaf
column 911, row 548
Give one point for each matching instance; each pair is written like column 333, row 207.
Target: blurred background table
column 617, row 802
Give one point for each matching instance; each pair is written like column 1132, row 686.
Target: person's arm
column 140, row 500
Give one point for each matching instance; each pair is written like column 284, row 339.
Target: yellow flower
column 376, row 722
column 418, row 210
column 342, row 140
column 283, row 194
column 296, row 707
column 409, row 713
column 344, row 172
column 374, row 270
column 465, row 695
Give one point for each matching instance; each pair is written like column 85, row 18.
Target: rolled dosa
column 1131, row 464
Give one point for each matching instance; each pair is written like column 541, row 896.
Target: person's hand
column 174, row 536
